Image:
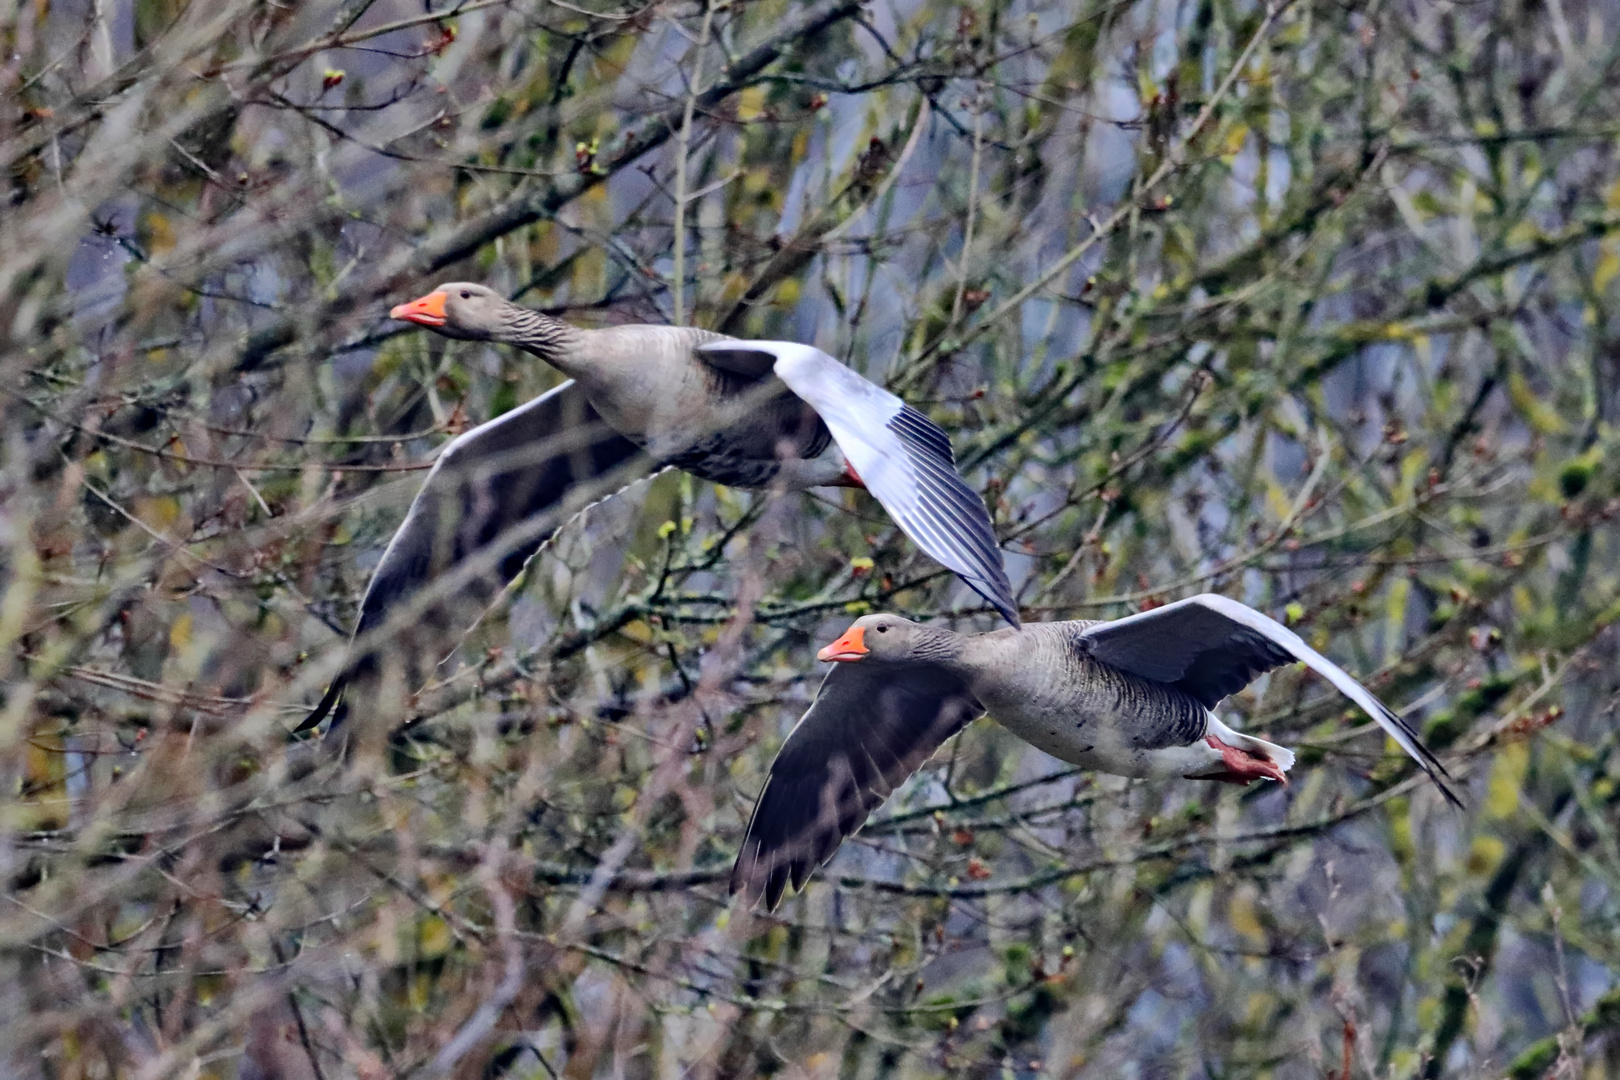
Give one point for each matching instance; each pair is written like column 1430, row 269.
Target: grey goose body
column 1132, row 697
column 752, row 414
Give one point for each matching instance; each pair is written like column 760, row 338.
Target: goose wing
column 494, row 496
column 869, row 728
column 902, row 457
column 1210, row 646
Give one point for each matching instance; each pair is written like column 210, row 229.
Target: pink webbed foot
column 1242, row 766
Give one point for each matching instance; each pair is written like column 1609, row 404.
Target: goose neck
column 938, row 645
column 986, row 658
column 552, row 340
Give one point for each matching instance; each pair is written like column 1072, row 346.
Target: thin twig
column 1172, row 162
column 682, row 143
column 972, row 208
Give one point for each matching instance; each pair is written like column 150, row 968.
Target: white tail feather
column 1280, row 756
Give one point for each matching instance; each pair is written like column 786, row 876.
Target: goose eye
column 883, row 629
column 465, row 295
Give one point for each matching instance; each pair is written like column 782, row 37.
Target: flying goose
column 1132, row 697
column 745, row 413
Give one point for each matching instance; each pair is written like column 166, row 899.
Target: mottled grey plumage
column 1130, row 697
column 652, row 387
column 682, row 397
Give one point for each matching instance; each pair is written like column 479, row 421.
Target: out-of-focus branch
column 1543, row 1054
column 1172, row 162
column 682, row 153
column 833, row 218
column 528, row 206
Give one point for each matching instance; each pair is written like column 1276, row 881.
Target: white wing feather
column 903, row 459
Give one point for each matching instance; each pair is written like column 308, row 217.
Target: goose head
column 886, row 639
column 459, row 309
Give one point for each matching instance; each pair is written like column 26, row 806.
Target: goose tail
column 1280, row 756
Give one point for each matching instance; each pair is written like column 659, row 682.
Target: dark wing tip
column 1438, row 773
column 799, row 823
column 864, row 734
column 1426, row 760
column 1006, row 604
column 775, row 886
column 747, row 878
column 765, row 879
column 328, row 701
column 953, row 523
column 998, row 594
column 773, row 845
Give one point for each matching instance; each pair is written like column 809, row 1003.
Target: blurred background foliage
column 1311, row 304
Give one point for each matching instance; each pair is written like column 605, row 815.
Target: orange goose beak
column 424, row 311
column 852, row 646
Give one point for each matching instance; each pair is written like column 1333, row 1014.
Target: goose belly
column 780, row 443
column 720, row 427
column 1112, row 733
column 734, row 462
